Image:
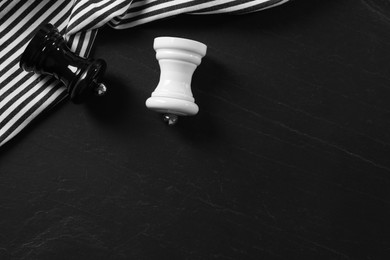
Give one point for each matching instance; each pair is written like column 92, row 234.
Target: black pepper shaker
column 47, row 53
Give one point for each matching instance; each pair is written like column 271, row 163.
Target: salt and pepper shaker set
column 47, row 53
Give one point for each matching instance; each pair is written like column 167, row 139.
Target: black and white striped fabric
column 23, row 96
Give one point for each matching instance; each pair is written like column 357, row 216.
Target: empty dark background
column 288, row 158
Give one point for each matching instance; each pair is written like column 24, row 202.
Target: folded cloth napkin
column 23, row 96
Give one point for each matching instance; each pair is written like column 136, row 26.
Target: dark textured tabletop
column 288, row 158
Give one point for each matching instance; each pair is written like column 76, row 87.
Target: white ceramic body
column 178, row 59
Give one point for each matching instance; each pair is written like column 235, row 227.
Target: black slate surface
column 288, row 157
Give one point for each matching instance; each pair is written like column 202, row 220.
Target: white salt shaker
column 178, row 59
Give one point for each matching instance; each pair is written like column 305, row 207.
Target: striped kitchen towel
column 23, row 96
